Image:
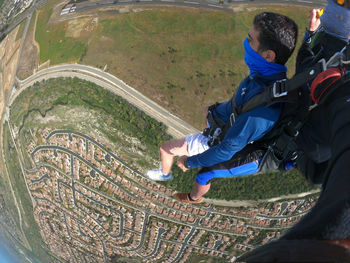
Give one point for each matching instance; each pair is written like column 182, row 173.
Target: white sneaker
column 157, row 175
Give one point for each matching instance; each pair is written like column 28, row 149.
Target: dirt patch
column 79, row 26
column 30, row 53
column 10, row 51
column 44, row 65
column 123, row 9
column 246, row 7
column 2, row 48
column 104, row 38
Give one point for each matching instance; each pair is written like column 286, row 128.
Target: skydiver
column 323, row 235
column 269, row 44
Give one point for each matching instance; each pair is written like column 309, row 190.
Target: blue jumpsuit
column 234, row 156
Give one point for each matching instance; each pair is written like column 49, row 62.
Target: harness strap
column 275, row 93
column 279, row 90
column 215, row 129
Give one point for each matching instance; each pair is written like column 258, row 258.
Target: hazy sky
column 5, row 256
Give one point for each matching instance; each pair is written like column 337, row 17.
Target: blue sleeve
column 249, row 126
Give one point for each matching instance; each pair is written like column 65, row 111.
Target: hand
column 314, row 20
column 181, row 163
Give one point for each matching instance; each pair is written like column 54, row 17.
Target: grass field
column 183, row 58
column 53, row 43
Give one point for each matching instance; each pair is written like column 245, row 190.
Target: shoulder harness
column 325, row 78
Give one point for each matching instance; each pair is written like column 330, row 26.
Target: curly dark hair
column 278, row 33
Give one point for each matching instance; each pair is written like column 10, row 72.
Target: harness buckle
column 323, row 64
column 294, row 156
column 279, row 88
column 232, row 118
column 217, row 133
column 214, row 138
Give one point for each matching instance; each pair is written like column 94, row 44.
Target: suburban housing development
column 91, row 206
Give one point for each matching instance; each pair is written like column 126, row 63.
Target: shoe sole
column 187, row 201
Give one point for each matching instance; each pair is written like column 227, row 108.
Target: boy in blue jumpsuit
column 270, row 42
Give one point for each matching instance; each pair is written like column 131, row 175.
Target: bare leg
column 199, row 190
column 171, row 149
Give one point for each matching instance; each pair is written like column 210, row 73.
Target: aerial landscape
column 90, row 89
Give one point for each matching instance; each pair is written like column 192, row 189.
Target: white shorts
column 196, row 144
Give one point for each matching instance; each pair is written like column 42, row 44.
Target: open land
column 9, row 52
column 28, row 62
column 182, row 58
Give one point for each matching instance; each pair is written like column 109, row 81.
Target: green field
column 183, row 58
column 53, row 43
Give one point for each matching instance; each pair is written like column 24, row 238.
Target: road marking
column 189, row 2
column 215, row 6
column 125, row 1
column 167, row 0
column 145, row 0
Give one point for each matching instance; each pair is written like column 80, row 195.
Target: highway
column 25, row 14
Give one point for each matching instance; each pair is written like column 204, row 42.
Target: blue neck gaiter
column 257, row 64
column 336, row 20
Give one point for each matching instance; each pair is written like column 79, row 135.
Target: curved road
column 176, row 127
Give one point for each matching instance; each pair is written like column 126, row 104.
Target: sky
column 5, row 256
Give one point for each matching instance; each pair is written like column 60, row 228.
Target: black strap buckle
column 279, row 88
